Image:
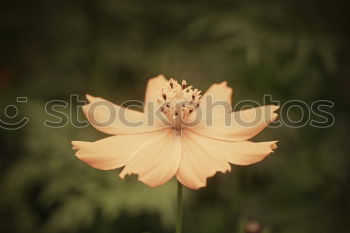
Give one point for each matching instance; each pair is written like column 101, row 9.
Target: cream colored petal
column 92, row 99
column 153, row 91
column 199, row 161
column 245, row 153
column 220, row 92
column 237, row 126
column 238, row 153
column 157, row 161
column 111, row 152
column 203, row 157
column 114, row 119
column 215, row 102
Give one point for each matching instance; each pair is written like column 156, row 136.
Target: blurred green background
column 291, row 49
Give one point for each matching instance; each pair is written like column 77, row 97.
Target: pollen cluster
column 178, row 101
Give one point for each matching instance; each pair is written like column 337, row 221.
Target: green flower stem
column 179, row 208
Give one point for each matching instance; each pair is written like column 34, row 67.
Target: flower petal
column 114, row 119
column 220, row 92
column 203, row 157
column 153, row 91
column 245, row 153
column 237, row 126
column 199, row 161
column 158, row 160
column 217, row 99
column 238, row 153
column 111, row 152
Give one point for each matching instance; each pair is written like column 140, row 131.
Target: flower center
column 178, row 102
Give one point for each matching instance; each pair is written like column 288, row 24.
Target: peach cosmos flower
column 172, row 145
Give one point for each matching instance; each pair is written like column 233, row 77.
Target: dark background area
column 291, row 49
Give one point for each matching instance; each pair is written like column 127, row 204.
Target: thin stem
column 179, row 208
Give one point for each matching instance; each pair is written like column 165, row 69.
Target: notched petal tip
column 205, row 182
column 274, row 145
column 78, row 146
column 273, row 118
column 90, row 98
column 201, row 183
column 274, row 107
column 122, row 174
column 75, row 145
column 274, row 115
